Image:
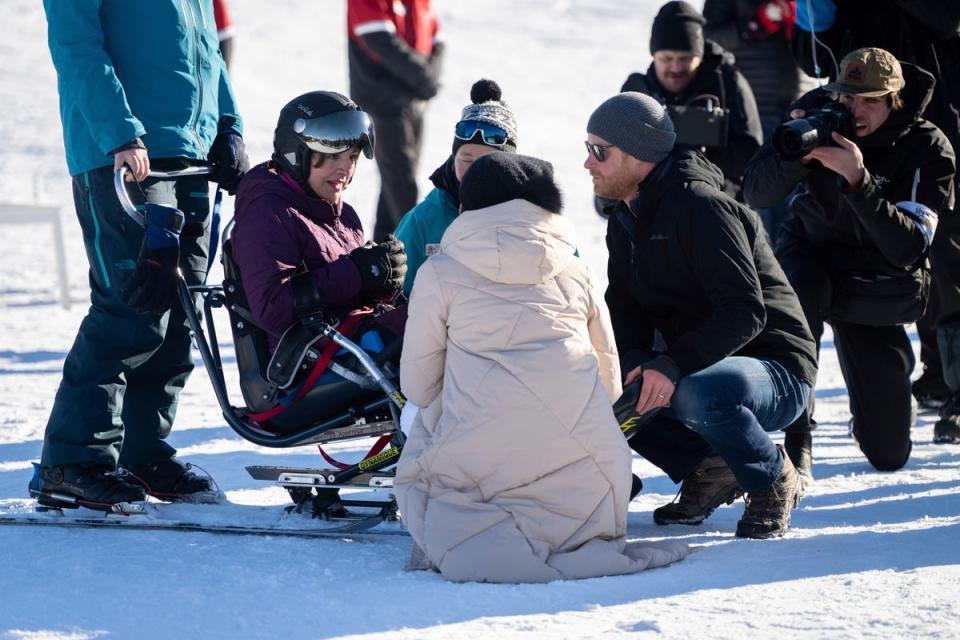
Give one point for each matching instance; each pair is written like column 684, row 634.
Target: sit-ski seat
column 322, row 402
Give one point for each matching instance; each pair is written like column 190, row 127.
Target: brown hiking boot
column 768, row 512
column 707, row 487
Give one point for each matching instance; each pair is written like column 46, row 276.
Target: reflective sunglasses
column 491, row 134
column 337, row 132
column 598, row 151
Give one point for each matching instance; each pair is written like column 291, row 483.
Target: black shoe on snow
column 173, row 481
column 96, row 486
column 768, row 512
column 636, row 486
column 947, row 428
column 707, row 487
column 930, row 390
column 799, row 447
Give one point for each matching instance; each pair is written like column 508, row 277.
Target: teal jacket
column 421, row 229
column 138, row 68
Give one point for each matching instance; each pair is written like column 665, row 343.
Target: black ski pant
column 397, row 151
column 945, row 263
column 876, row 363
column 122, row 377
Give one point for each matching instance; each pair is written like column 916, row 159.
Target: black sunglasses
column 598, row 151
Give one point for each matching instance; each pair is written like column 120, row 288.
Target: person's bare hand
column 844, row 159
column 136, row 159
column 655, row 392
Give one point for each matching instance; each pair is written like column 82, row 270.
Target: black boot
column 799, row 447
column 768, row 512
column 947, row 428
column 707, row 487
column 96, row 486
column 173, row 481
column 930, row 390
column 636, row 486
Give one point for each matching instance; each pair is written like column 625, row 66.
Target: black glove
column 229, row 159
column 153, row 286
column 382, row 268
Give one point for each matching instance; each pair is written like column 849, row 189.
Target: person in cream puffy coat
column 516, row 469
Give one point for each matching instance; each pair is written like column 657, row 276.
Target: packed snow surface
column 869, row 554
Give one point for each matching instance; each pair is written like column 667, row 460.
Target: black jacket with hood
column 718, row 76
column 693, row 264
column 864, row 231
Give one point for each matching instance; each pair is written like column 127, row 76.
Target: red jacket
column 393, row 51
column 222, row 17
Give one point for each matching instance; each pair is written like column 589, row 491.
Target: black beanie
column 500, row 177
column 677, row 27
column 487, row 106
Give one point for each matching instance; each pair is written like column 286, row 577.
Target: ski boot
column 95, row 486
column 173, row 481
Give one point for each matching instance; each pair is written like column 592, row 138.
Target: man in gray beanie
column 735, row 359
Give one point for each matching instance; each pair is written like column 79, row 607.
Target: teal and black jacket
column 138, row 69
column 422, row 227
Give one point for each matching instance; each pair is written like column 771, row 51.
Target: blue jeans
column 726, row 409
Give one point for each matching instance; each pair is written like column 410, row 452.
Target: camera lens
column 793, row 140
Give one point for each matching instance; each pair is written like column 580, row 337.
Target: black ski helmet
column 321, row 121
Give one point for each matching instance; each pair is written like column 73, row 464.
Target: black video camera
column 699, row 126
column 793, row 140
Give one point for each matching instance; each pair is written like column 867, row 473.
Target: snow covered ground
column 869, row 554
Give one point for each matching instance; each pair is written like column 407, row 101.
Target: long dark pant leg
column 876, row 363
column 945, row 262
column 153, row 388
column 87, row 422
column 814, row 289
column 397, row 153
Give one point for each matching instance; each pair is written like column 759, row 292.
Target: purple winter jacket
column 279, row 229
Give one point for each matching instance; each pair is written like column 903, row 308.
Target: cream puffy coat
column 516, row 470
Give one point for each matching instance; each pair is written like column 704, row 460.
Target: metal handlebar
column 120, row 184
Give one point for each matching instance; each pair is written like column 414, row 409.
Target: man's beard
column 616, row 187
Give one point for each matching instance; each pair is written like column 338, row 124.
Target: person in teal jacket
column 486, row 125
column 141, row 84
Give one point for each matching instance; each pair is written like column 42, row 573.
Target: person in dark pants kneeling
column 856, row 246
column 690, row 263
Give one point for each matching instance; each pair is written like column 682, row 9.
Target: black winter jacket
column 692, row 264
column 717, row 75
column 863, row 231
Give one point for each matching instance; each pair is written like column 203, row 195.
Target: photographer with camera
column 873, row 176
column 710, row 103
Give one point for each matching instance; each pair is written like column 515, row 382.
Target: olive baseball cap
column 868, row 72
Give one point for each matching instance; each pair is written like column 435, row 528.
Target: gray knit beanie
column 635, row 123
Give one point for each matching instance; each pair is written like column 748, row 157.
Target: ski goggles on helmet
column 491, row 134
column 337, row 132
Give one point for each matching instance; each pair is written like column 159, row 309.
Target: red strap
column 377, row 447
column 346, row 326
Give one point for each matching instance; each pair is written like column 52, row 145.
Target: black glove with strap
column 382, row 268
column 153, row 286
column 228, row 157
